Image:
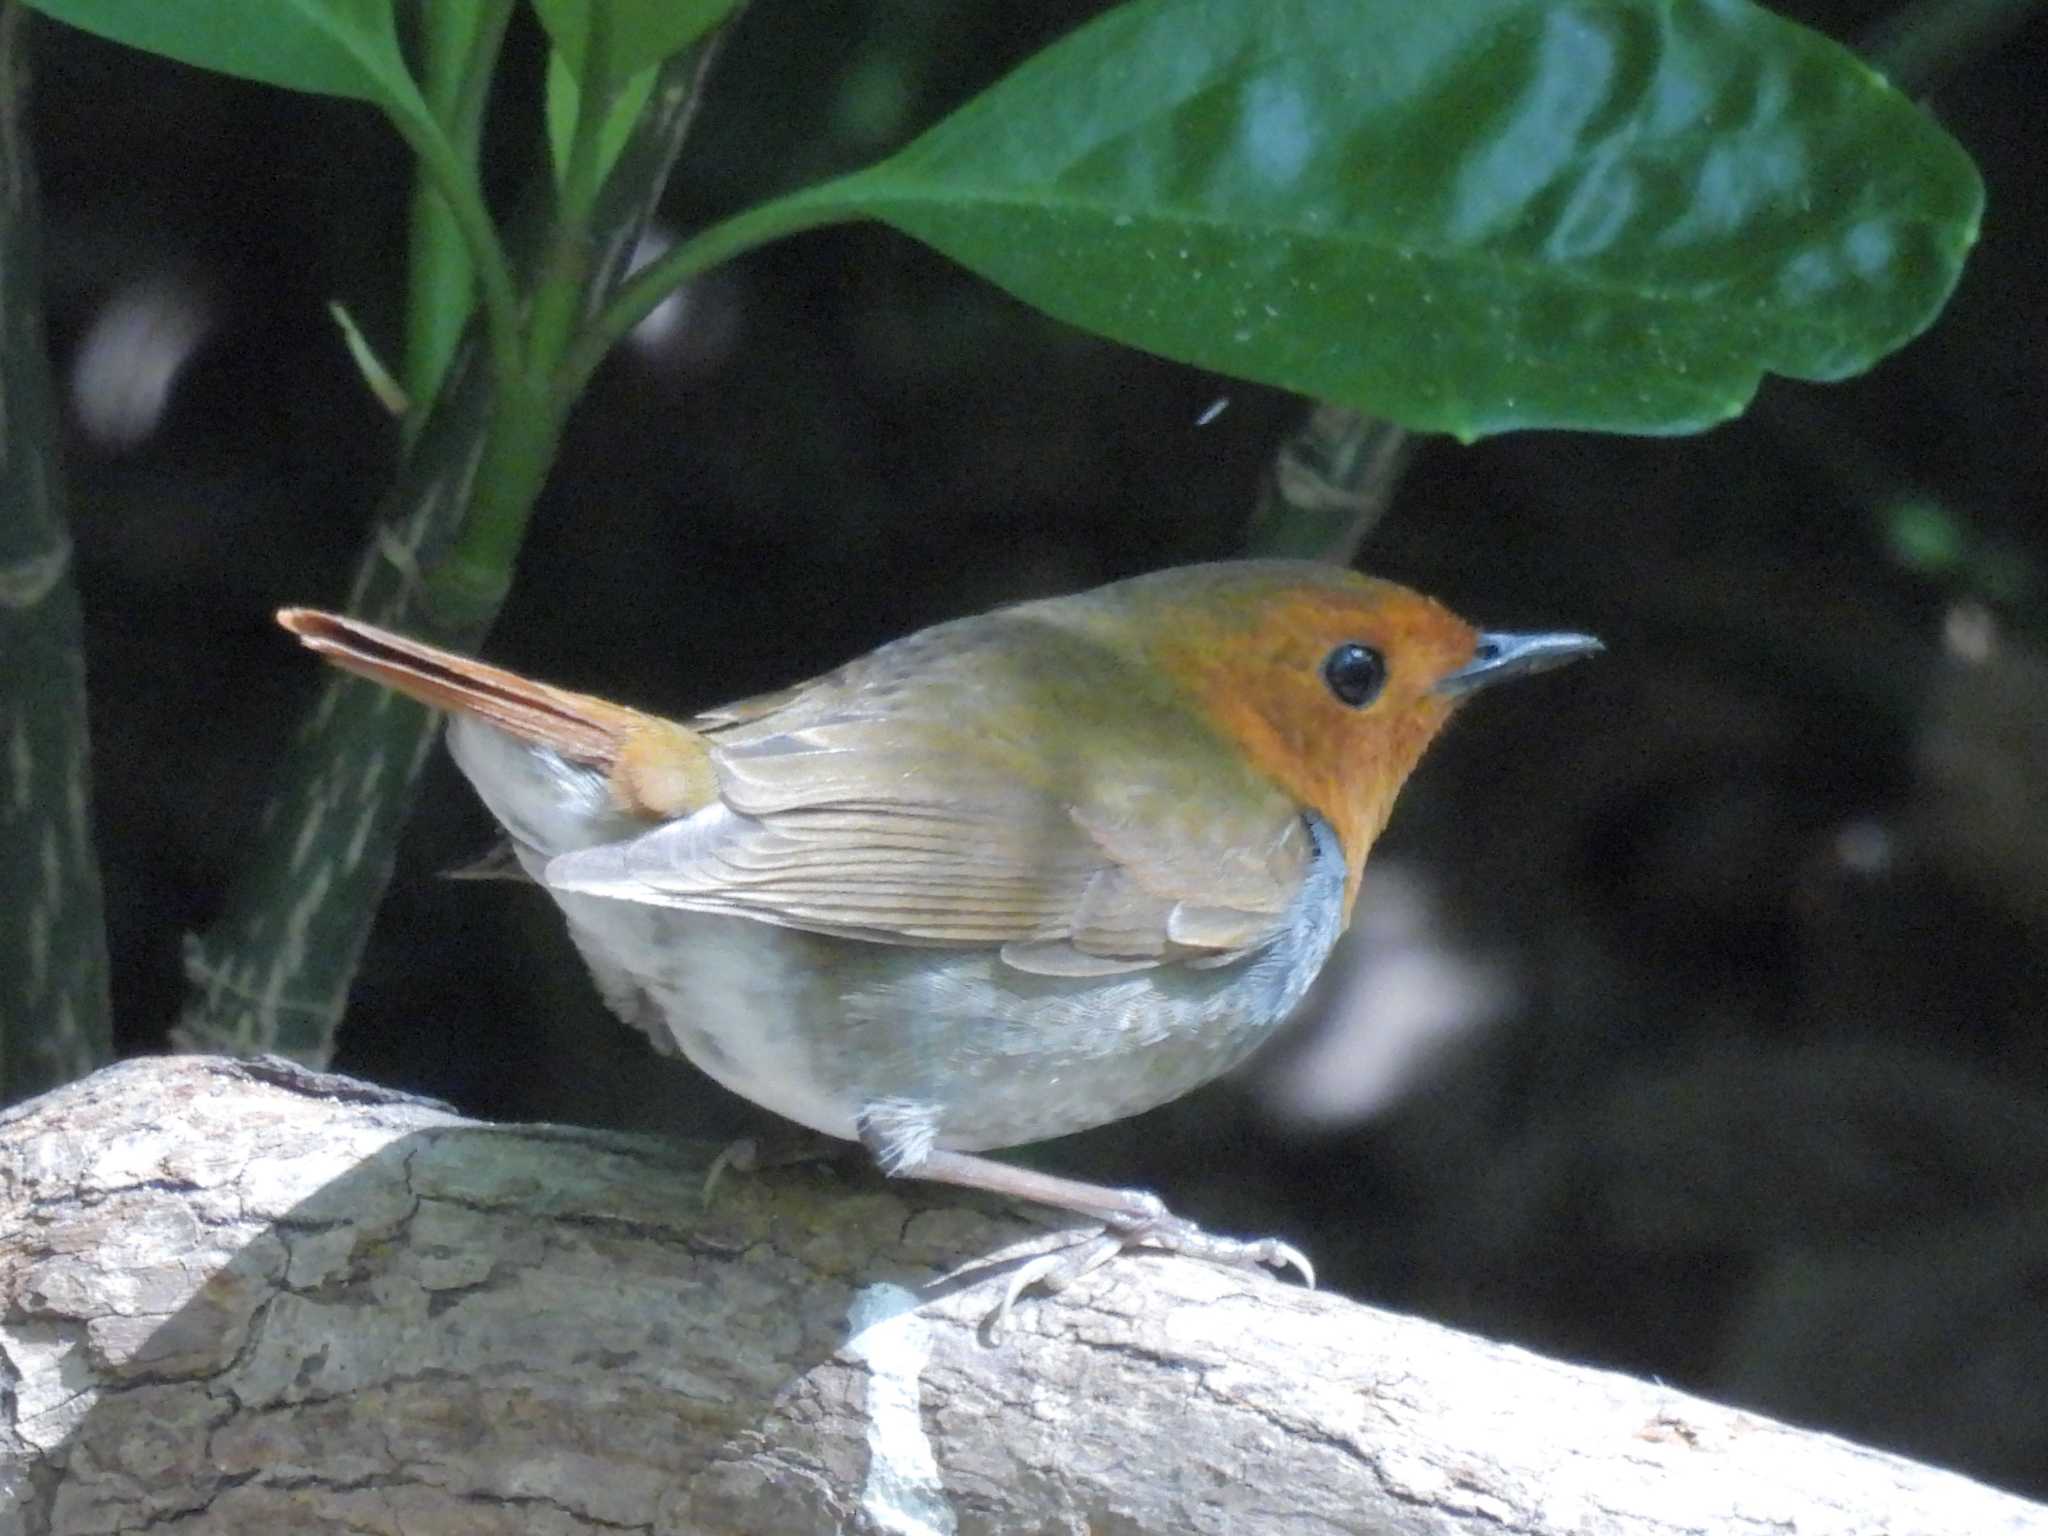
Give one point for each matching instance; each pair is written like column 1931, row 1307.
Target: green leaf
column 1463, row 215
column 642, row 32
column 329, row 47
column 565, row 102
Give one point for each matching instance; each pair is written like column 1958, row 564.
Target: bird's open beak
column 1501, row 655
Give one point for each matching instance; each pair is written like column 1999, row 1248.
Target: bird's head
column 1330, row 683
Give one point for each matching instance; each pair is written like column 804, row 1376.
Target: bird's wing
column 929, row 815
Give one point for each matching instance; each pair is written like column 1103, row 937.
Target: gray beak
column 1501, row 655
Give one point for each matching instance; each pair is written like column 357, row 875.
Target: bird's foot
column 1089, row 1248
column 900, row 1138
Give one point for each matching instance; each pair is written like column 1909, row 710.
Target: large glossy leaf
column 642, row 32
column 1464, row 215
column 331, row 47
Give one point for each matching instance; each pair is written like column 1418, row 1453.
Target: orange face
column 1323, row 678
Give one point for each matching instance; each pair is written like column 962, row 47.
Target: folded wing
column 1030, row 793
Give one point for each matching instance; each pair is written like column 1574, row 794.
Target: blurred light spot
column 695, row 328
column 1970, row 633
column 1863, row 848
column 1216, row 408
column 1404, row 998
column 665, row 321
column 132, row 354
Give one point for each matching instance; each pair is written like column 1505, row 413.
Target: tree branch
column 252, row 1298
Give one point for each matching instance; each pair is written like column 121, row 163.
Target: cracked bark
column 241, row 1297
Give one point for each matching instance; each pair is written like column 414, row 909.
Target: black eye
column 1356, row 673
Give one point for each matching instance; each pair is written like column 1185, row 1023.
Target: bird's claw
column 1239, row 1253
column 741, row 1156
column 755, row 1154
column 1093, row 1247
column 1287, row 1256
column 1088, row 1250
column 1175, row 1234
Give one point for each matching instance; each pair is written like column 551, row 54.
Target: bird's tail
column 581, row 728
column 655, row 767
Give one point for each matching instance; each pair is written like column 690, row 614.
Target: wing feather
column 856, row 806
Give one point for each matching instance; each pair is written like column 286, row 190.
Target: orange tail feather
column 656, row 767
column 582, row 728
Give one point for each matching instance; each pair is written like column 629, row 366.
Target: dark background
column 1693, row 1022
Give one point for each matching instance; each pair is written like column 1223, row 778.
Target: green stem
column 440, row 281
column 646, row 289
column 466, row 585
column 454, row 176
column 460, row 45
column 465, row 118
column 272, row 974
column 594, row 92
column 474, row 575
column 563, row 273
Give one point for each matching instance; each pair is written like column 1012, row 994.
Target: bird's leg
column 1127, row 1218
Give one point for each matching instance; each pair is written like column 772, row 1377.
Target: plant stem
column 476, row 572
column 440, row 282
column 584, row 263
column 454, row 176
column 273, row 974
column 466, row 583
column 465, row 117
column 1329, row 485
column 594, row 94
column 55, row 1022
column 644, row 292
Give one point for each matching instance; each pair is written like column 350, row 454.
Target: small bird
column 1012, row 876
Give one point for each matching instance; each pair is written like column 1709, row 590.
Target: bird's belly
column 818, row 1028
